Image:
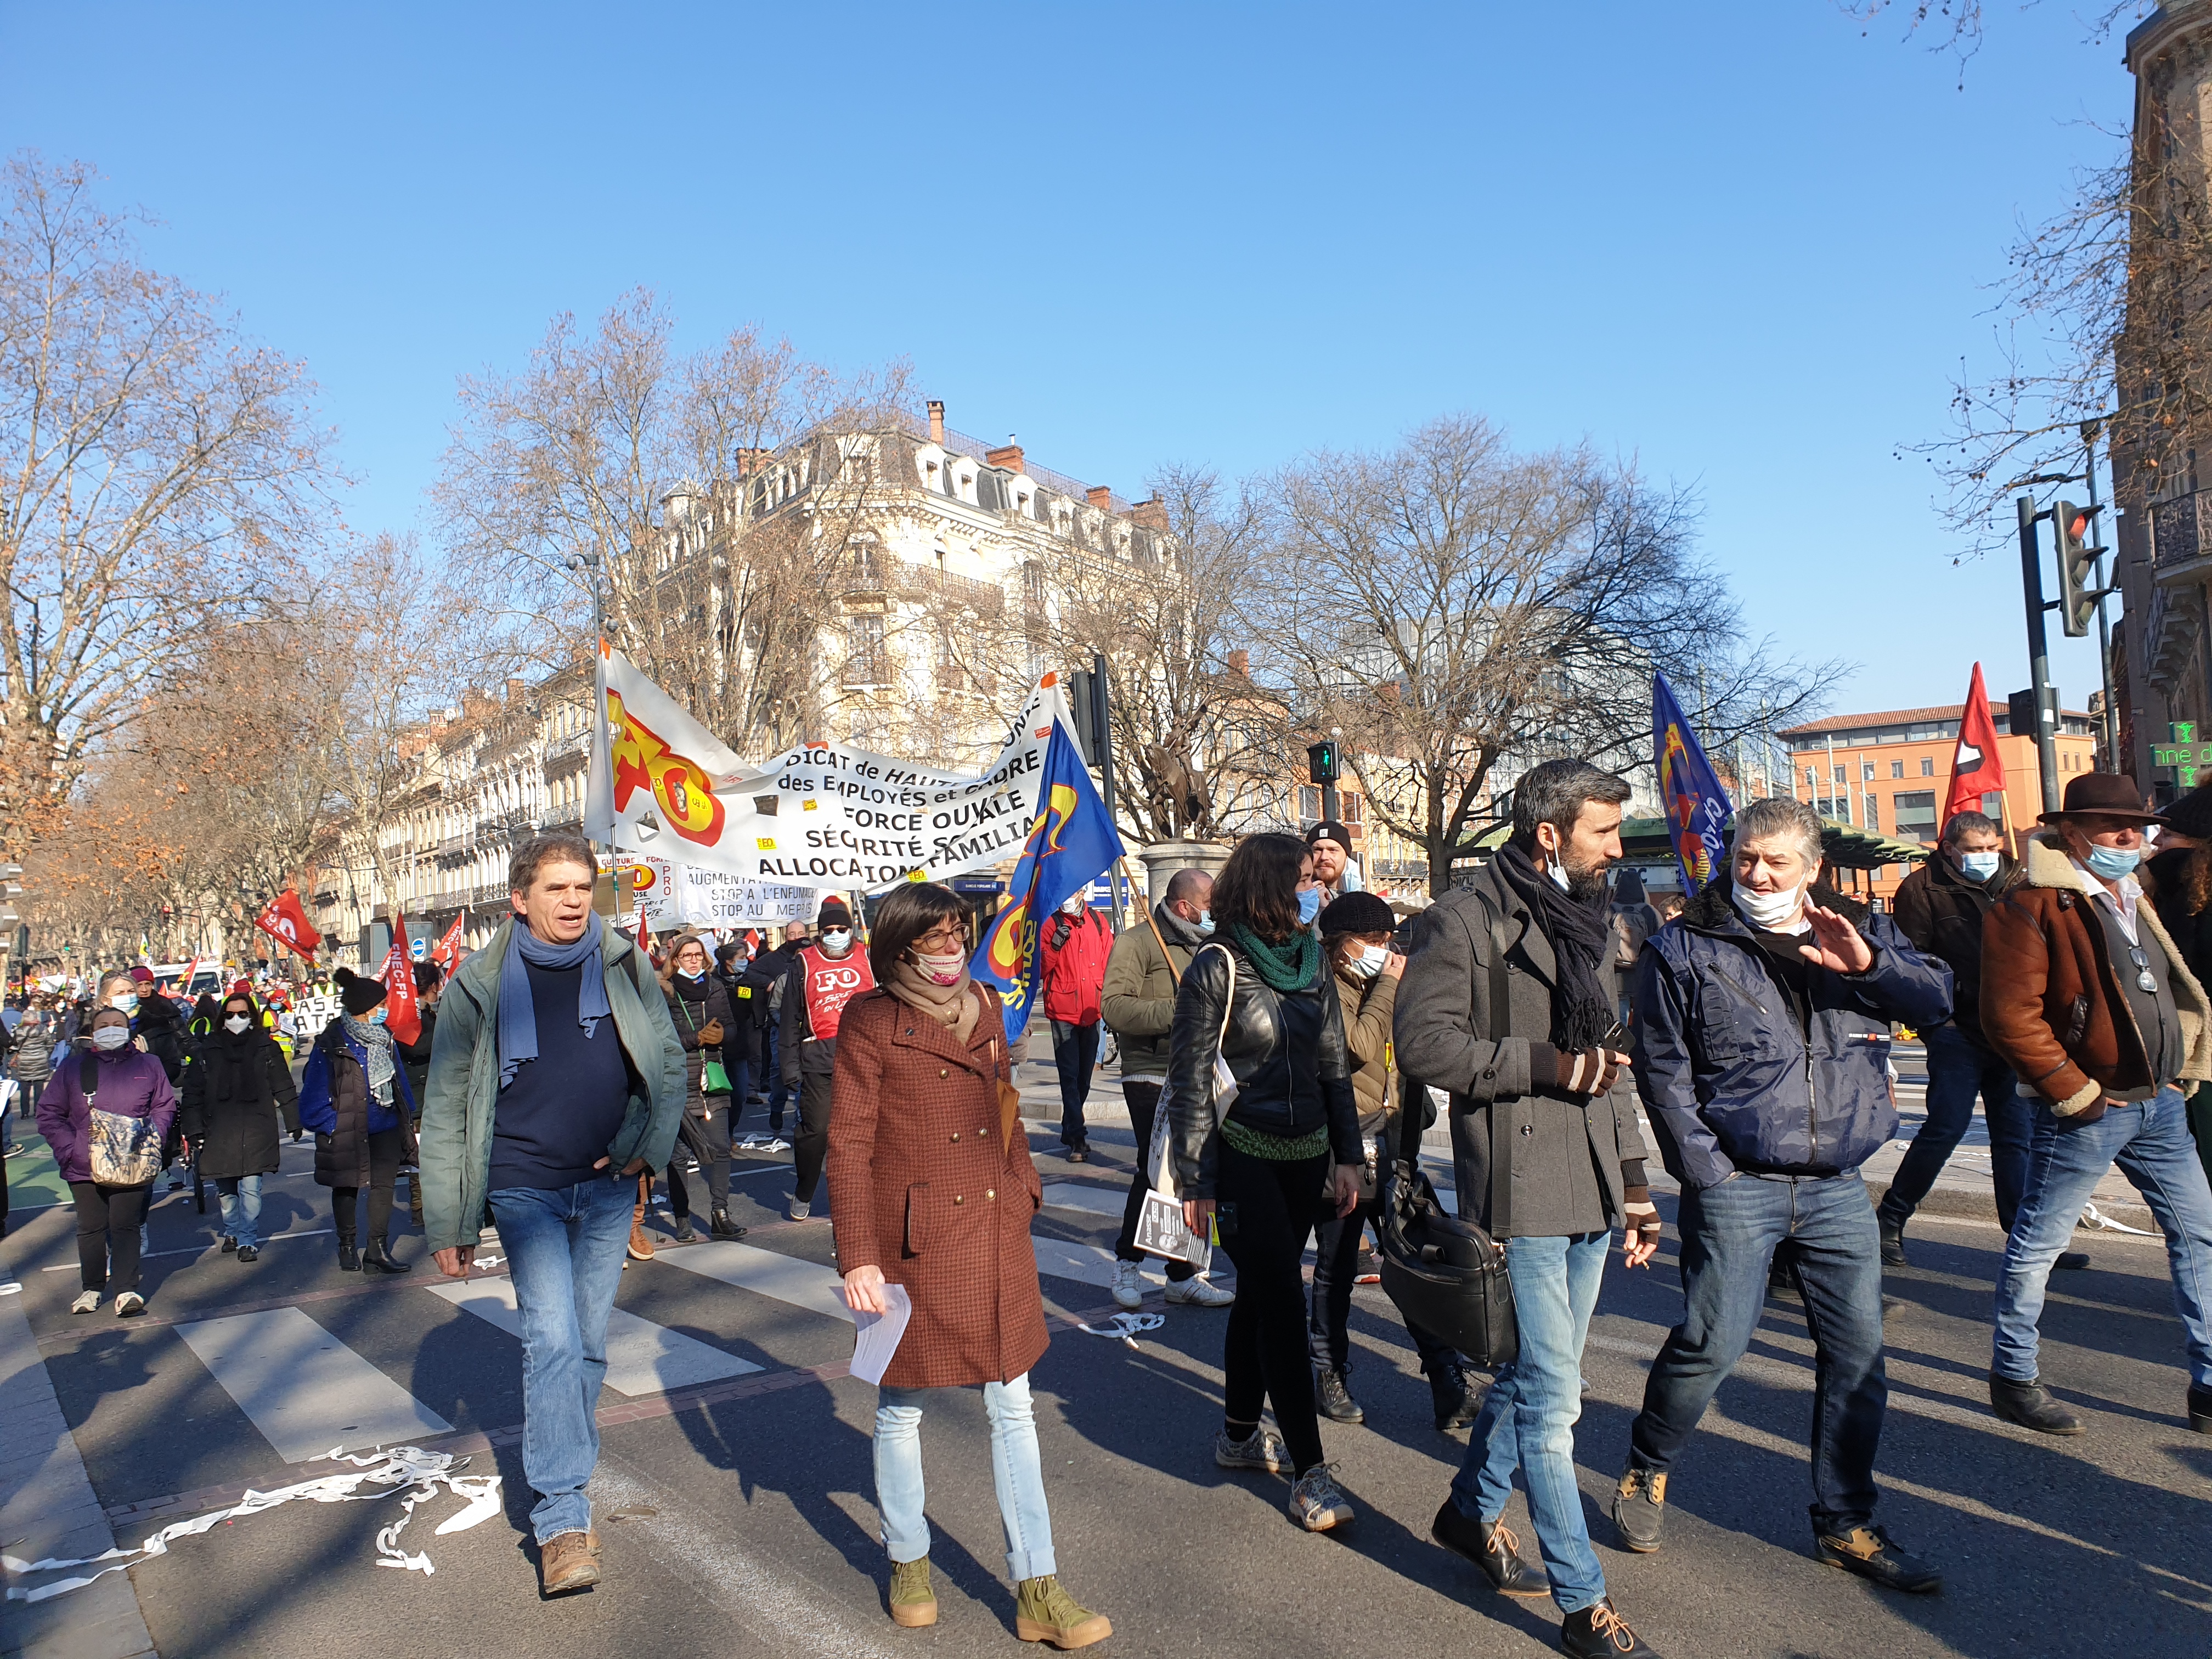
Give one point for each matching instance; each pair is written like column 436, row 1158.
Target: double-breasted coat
column 924, row 1185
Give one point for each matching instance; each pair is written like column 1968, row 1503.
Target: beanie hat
column 142, row 975
column 357, row 995
column 1358, row 912
column 1330, row 829
column 834, row 913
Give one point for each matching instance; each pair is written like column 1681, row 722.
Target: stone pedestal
column 1164, row 859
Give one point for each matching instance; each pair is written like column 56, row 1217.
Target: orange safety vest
column 829, row 983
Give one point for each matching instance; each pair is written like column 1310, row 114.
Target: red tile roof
column 1886, row 718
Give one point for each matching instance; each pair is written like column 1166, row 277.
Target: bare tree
column 158, row 473
column 1463, row 611
column 1956, row 26
column 613, row 458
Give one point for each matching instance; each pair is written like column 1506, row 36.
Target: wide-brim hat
column 2191, row 815
column 2106, row 794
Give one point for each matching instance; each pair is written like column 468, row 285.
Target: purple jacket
column 133, row 1085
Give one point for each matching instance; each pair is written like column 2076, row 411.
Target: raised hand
column 1837, row 945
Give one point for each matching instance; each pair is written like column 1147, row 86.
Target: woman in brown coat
column 932, row 1190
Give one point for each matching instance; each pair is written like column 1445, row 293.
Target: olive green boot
column 914, row 1604
column 1044, row 1611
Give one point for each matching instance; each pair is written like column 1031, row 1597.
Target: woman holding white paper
column 932, row 1189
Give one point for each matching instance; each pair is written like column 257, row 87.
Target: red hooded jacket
column 1074, row 970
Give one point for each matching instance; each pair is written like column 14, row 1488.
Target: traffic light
column 11, row 890
column 1080, row 705
column 1320, row 762
column 2077, row 565
column 2020, row 708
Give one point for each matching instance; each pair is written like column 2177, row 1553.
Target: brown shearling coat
column 923, row 1185
column 2052, row 1007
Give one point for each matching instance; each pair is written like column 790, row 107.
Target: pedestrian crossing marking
column 643, row 1358
column 304, row 1388
column 785, row 1279
column 1093, row 1201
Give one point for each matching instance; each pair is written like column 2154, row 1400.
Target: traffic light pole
column 2112, row 721
column 2038, row 653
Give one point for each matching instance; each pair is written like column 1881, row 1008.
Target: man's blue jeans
column 1729, row 1233
column 1016, row 1470
column 564, row 1249
column 2150, row 1142
column 1958, row 1069
column 1528, row 1415
column 240, row 1196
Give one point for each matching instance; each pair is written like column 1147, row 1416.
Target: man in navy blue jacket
column 1761, row 1051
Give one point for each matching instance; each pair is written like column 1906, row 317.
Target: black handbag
column 1446, row 1274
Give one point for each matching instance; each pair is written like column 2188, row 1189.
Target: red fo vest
column 830, row 982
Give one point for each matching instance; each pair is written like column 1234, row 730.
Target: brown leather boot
column 641, row 1243
column 568, row 1561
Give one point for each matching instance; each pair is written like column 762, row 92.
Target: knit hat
column 357, row 995
column 142, row 975
column 1358, row 912
column 1330, row 829
column 834, row 913
column 2191, row 815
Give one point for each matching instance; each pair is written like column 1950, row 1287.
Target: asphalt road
column 750, row 1524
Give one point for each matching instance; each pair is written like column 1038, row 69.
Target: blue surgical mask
column 1979, row 866
column 1309, row 906
column 376, row 1015
column 2111, row 863
column 1204, row 923
column 126, row 1000
column 1368, row 963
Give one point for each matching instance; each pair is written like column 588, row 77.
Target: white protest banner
column 820, row 815
column 681, row 895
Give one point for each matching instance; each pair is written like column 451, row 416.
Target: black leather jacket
column 1287, row 1049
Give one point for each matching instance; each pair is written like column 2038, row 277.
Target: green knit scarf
column 1285, row 967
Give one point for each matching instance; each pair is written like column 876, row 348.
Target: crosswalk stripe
column 643, row 1358
column 1075, row 1195
column 302, row 1388
column 785, row 1279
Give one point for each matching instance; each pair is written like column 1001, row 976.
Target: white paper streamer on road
column 419, row 1473
column 1126, row 1326
column 2094, row 1217
column 820, row 815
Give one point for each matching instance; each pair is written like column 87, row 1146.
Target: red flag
column 644, row 933
column 1976, row 770
column 446, row 953
column 401, row 1016
column 184, row 985
column 284, row 920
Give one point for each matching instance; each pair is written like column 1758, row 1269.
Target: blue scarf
column 518, row 1018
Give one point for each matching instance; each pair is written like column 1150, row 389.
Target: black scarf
column 243, row 1079
column 1581, row 934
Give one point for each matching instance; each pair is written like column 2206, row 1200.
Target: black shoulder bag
column 1446, row 1274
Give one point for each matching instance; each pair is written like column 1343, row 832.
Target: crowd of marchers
column 1277, row 1026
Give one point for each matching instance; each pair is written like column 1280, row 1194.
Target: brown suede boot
column 568, row 1561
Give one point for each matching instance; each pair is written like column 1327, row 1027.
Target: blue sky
column 1745, row 244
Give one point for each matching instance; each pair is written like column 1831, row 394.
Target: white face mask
column 1770, row 912
column 1368, row 963
column 1071, row 907
column 836, row 941
column 236, row 1024
column 940, row 969
column 110, row 1037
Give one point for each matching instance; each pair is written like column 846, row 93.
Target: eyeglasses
column 2143, row 980
column 947, row 936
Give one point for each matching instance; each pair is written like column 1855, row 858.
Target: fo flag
column 1697, row 810
column 1975, row 769
column 447, row 952
column 402, row 1018
column 284, row 920
column 1070, row 841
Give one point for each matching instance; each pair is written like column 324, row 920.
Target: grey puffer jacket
column 1528, row 1164
column 1725, row 1066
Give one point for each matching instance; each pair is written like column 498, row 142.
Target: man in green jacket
column 555, row 1076
column 1137, row 1002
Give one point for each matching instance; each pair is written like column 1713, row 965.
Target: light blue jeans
column 1016, row 1472
column 2151, row 1142
column 564, row 1249
column 241, row 1209
column 1528, row 1417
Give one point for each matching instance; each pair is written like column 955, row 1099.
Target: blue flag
column 1071, row 843
column 1698, row 814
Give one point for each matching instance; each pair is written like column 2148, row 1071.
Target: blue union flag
column 1698, row 812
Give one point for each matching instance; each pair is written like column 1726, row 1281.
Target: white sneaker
column 129, row 1305
column 1128, row 1286
column 797, row 1210
column 1199, row 1292
column 87, row 1302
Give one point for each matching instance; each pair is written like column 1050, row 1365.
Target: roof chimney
column 937, row 421
column 1153, row 514
column 1007, row 454
column 1100, row 498
column 517, row 692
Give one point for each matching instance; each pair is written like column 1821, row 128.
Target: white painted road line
column 303, row 1388
column 785, row 1278
column 1094, row 1201
column 643, row 1358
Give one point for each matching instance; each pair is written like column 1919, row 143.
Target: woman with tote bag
column 104, row 1113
